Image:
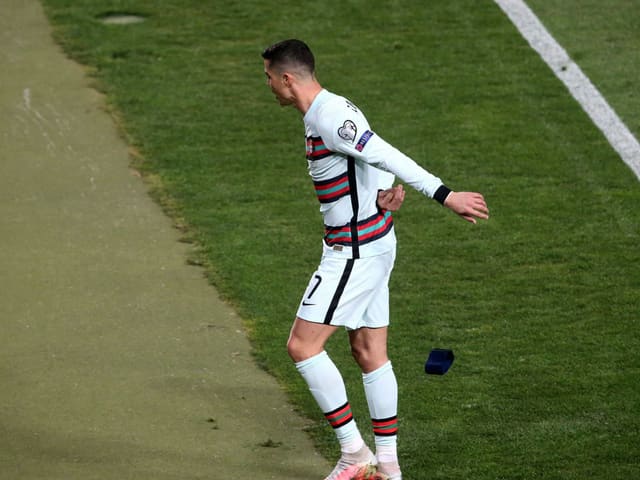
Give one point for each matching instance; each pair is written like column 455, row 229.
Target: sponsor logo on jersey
column 348, row 131
column 363, row 140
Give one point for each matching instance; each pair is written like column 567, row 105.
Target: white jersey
column 349, row 164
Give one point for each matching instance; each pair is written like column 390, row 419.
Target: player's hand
column 391, row 199
column 469, row 205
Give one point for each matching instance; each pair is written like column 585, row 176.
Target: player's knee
column 359, row 354
column 296, row 349
column 300, row 350
column 368, row 359
column 292, row 349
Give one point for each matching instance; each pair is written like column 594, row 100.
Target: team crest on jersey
column 363, row 140
column 348, row 131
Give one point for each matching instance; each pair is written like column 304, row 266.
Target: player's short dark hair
column 290, row 53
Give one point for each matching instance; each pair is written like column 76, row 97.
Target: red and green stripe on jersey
column 316, row 149
column 332, row 189
column 368, row 230
column 340, row 416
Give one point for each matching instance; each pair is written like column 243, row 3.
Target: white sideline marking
column 587, row 95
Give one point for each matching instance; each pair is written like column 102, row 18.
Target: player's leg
column 369, row 348
column 307, row 339
column 306, row 348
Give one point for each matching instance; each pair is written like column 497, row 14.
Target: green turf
column 539, row 304
column 603, row 40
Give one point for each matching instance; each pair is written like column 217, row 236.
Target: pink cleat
column 350, row 464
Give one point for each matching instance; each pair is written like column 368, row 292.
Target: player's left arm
column 468, row 205
column 376, row 151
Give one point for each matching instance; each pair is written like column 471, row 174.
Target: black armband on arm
column 441, row 194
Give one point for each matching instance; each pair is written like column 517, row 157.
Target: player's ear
column 286, row 79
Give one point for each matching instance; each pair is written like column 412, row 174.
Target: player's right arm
column 391, row 199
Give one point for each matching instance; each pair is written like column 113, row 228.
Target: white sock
column 381, row 390
column 327, row 387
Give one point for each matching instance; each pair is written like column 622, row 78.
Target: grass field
column 540, row 303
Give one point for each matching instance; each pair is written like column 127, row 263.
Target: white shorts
column 353, row 293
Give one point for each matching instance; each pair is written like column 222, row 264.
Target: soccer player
column 352, row 169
